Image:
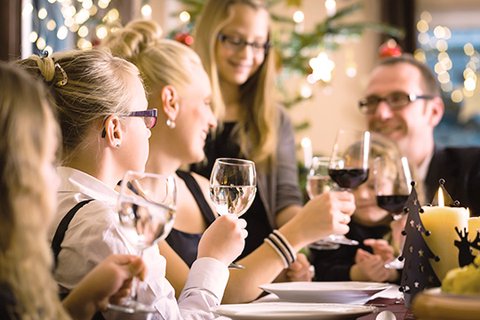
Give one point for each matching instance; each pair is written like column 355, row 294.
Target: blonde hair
column 257, row 126
column 161, row 61
column 26, row 127
column 87, row 86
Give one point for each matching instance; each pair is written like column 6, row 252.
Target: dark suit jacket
column 460, row 167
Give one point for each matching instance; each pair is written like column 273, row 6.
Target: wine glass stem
column 135, row 281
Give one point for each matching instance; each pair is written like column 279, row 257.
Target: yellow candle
column 473, row 228
column 441, row 222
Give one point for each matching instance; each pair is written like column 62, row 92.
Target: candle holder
column 436, row 241
column 417, row 272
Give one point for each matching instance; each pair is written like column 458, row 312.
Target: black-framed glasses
column 395, row 100
column 236, row 43
column 149, row 117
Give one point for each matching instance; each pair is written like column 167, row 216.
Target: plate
column 292, row 310
column 353, row 292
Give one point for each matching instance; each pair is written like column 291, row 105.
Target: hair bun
column 135, row 37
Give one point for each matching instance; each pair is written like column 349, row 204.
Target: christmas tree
column 417, row 272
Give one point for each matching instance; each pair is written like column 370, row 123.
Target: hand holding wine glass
column 318, row 182
column 233, row 184
column 146, row 212
column 392, row 188
column 349, row 165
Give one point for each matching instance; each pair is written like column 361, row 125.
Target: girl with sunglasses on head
column 28, row 183
column 106, row 126
column 180, row 88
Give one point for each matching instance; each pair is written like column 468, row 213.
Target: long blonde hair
column 257, row 126
column 27, row 126
column 87, row 86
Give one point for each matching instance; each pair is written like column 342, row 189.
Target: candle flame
column 441, row 198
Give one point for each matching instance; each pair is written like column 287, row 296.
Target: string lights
column 435, row 42
column 66, row 23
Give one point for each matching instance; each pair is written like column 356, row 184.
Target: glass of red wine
column 392, row 188
column 349, row 165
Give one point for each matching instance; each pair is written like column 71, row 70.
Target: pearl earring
column 170, row 123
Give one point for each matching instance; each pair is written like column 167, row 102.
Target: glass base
column 324, row 245
column 132, row 307
column 394, row 264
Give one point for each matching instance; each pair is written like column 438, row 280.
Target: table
column 390, row 299
column 393, row 305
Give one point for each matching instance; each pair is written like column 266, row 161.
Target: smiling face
column 195, row 117
column 236, row 64
column 411, row 126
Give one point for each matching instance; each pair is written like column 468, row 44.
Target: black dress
column 8, row 303
column 222, row 146
column 334, row 265
column 186, row 244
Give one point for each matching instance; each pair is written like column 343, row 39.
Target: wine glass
column 349, row 166
column 392, row 188
column 146, row 212
column 233, row 184
column 318, row 182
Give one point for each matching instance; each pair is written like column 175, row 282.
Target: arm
column 110, row 280
column 176, row 269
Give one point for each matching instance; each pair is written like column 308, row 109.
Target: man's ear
column 113, row 131
column 170, row 102
column 437, row 111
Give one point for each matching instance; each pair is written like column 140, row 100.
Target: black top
column 223, row 146
column 186, row 244
column 460, row 167
column 8, row 303
column 334, row 265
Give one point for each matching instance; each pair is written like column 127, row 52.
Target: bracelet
column 283, row 248
column 280, row 254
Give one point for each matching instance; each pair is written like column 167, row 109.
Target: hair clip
column 64, row 79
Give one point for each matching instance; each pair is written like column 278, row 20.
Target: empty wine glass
column 318, row 182
column 349, row 165
column 146, row 212
column 392, row 188
column 233, row 184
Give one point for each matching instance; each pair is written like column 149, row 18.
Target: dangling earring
column 170, row 123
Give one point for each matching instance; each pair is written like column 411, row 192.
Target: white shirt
column 92, row 236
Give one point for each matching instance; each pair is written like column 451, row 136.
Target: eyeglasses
column 237, row 44
column 395, row 100
column 149, row 117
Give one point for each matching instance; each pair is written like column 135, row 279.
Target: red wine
column 348, row 178
column 392, row 203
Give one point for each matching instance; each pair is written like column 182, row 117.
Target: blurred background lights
column 184, row 16
column 42, row 13
column 298, row 16
column 101, row 31
column 146, row 11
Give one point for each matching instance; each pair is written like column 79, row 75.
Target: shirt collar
column 73, row 180
column 422, row 169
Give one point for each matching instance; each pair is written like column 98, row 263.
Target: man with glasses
column 403, row 103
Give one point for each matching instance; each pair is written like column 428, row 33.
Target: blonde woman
column 232, row 39
column 179, row 86
column 105, row 126
column 28, row 182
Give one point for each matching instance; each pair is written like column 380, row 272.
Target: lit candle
column 441, row 222
column 473, row 228
column 306, row 144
